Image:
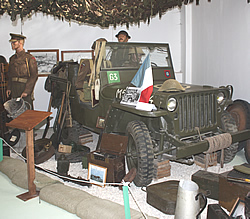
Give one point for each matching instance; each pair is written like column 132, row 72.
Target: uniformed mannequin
column 122, row 36
column 3, row 70
column 119, row 55
column 3, row 59
column 22, row 72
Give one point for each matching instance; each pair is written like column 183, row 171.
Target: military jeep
column 183, row 115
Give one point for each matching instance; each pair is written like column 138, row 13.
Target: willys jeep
column 183, row 116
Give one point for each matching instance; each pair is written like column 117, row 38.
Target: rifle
column 68, row 178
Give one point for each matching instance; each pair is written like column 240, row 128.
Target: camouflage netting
column 97, row 12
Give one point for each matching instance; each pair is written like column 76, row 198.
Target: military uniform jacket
column 23, row 65
column 120, row 56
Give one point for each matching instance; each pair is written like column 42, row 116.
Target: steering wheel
column 154, row 64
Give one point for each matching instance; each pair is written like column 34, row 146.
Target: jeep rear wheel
column 228, row 125
column 240, row 111
column 140, row 153
column 247, row 151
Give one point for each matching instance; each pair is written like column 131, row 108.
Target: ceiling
column 103, row 13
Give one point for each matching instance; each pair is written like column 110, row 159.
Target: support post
column 1, row 149
column 126, row 202
column 30, row 161
column 27, row 121
column 30, row 167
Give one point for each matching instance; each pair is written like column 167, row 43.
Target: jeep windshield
column 132, row 55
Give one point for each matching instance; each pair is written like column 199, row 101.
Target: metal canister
column 63, row 165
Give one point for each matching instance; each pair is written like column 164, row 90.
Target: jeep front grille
column 197, row 110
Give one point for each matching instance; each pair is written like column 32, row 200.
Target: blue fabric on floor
column 12, row 207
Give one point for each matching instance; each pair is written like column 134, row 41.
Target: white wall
column 46, row 32
column 221, row 45
column 210, row 44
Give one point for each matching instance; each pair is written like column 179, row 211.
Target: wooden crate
column 208, row 183
column 206, row 161
column 230, row 191
column 111, row 155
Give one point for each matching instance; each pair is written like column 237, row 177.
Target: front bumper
column 187, row 150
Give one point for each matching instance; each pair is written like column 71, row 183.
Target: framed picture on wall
column 77, row 55
column 46, row 59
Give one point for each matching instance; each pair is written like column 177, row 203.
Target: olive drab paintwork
column 182, row 118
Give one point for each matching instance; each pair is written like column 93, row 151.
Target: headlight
column 171, row 104
column 220, row 98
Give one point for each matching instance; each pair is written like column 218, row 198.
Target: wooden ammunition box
column 111, row 155
column 230, row 191
column 208, row 183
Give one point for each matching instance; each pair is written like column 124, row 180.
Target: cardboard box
column 64, row 148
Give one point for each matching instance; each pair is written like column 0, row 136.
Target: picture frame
column 100, row 122
column 131, row 96
column 77, row 55
column 238, row 209
column 97, row 174
column 46, row 59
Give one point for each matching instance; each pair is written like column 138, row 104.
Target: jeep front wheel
column 140, row 152
column 229, row 125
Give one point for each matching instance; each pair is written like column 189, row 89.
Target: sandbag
column 64, row 196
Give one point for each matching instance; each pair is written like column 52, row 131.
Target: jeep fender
column 120, row 115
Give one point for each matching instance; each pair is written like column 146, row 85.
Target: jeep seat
column 84, row 72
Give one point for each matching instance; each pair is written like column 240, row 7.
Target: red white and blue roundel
column 167, row 73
